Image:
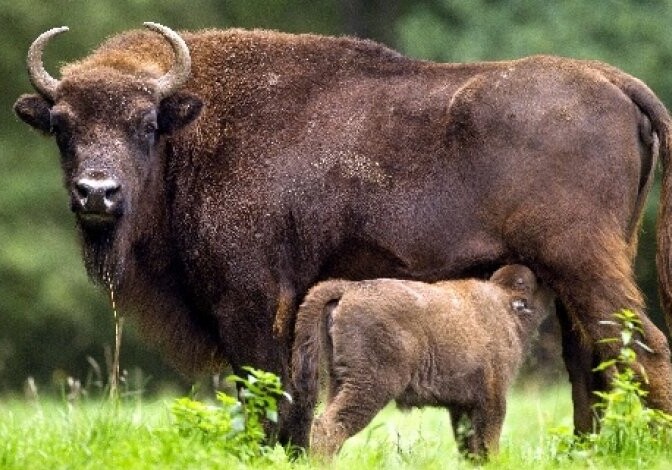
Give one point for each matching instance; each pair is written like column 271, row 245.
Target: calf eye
column 519, row 305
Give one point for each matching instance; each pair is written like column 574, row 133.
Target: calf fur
column 456, row 344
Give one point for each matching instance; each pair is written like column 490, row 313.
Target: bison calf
column 456, row 344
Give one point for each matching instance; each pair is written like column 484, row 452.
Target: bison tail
column 664, row 227
column 661, row 146
column 661, row 143
column 309, row 336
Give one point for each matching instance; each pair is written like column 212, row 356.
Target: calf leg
column 327, row 436
column 477, row 429
column 487, row 422
column 348, row 413
column 463, row 430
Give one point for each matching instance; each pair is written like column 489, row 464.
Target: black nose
column 97, row 196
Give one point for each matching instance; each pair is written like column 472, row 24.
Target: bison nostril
column 83, row 189
column 112, row 191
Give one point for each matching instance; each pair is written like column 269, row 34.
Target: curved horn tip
column 44, row 83
column 48, row 34
column 155, row 26
column 181, row 69
column 54, row 31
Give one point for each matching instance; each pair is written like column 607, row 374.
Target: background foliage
column 51, row 318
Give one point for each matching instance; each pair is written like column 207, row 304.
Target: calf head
column 527, row 294
column 110, row 126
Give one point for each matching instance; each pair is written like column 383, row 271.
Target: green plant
column 260, row 392
column 628, row 427
column 629, row 430
column 237, row 426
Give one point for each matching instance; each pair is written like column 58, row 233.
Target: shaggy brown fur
column 313, row 157
column 456, row 344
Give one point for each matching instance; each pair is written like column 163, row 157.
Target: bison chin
column 100, row 251
column 96, row 222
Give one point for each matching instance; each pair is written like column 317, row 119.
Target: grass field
column 135, row 434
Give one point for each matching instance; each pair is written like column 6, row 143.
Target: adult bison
column 216, row 176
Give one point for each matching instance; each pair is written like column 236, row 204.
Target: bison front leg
column 250, row 340
column 295, row 418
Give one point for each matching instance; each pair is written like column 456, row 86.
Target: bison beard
column 259, row 163
column 103, row 262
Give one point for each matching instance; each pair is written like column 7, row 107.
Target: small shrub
column 629, row 428
column 629, row 431
column 260, row 393
column 236, row 426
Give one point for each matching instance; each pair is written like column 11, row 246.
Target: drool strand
column 118, row 330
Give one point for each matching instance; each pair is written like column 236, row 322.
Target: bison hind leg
column 580, row 360
column 593, row 283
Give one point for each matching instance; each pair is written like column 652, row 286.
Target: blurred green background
column 52, row 319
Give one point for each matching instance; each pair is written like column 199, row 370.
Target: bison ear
column 35, row 111
column 177, row 111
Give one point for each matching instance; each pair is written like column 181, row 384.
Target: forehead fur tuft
column 138, row 53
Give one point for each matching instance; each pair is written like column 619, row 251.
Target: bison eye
column 149, row 129
column 55, row 124
column 60, row 129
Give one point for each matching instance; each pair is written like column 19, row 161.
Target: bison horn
column 181, row 69
column 44, row 83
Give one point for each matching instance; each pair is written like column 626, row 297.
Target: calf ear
column 35, row 111
column 177, row 111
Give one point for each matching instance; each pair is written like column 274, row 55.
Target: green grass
column 142, row 435
column 422, row 438
column 94, row 435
